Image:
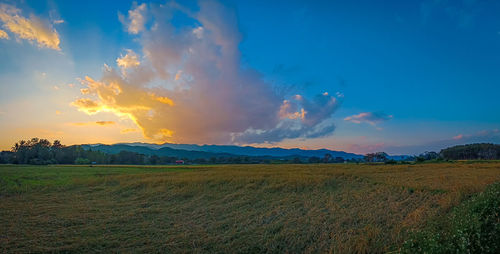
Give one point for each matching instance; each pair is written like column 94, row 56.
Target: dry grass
column 228, row 208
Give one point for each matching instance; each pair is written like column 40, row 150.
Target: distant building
column 179, row 162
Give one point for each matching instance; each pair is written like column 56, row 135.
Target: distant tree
column 427, row 156
column 327, row 158
column 339, row 160
column 314, row 159
column 369, row 157
column 82, row 161
column 296, row 160
column 381, row 156
column 33, row 151
column 213, row 160
column 154, row 159
column 482, row 151
column 6, row 157
column 376, row 157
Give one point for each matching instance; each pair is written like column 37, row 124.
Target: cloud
column 458, row 137
column 32, row 28
column 300, row 118
column 125, row 131
column 105, row 122
column 372, row 118
column 136, row 19
column 98, row 123
column 3, row 34
column 129, row 60
column 190, row 86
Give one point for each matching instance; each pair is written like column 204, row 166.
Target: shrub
column 82, row 161
column 473, row 227
column 391, row 162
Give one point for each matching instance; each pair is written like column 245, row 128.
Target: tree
column 339, row 160
column 376, row 157
column 82, row 161
column 297, row 160
column 327, row 158
column 482, row 151
column 314, row 159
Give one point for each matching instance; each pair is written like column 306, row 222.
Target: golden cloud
column 3, row 34
column 128, row 60
column 124, row 131
column 98, row 123
column 32, row 28
column 214, row 99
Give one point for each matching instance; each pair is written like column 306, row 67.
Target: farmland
column 229, row 208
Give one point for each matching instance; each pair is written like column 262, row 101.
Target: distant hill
column 249, row 150
column 164, row 151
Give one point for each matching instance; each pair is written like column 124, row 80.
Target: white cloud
column 136, row 19
column 371, row 118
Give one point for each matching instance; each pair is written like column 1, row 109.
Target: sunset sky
column 402, row 77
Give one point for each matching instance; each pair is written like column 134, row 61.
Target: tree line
column 483, row 151
column 42, row 152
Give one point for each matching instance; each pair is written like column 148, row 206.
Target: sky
column 402, row 77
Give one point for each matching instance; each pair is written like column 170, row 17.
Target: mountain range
column 193, row 151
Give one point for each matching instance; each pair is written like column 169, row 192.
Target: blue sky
column 402, row 77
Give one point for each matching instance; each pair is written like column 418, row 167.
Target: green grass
column 18, row 179
column 472, row 227
column 228, row 208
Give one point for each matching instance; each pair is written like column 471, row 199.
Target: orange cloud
column 105, row 122
column 3, row 34
column 87, row 105
column 32, row 28
column 218, row 101
column 458, row 137
column 124, row 131
column 98, row 123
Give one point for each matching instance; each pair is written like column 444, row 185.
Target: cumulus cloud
column 372, row 118
column 128, row 60
column 136, row 20
column 3, row 34
column 190, row 86
column 300, row 118
column 32, row 29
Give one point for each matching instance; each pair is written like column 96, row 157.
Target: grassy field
column 228, row 208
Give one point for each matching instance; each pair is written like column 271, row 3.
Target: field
column 228, row 208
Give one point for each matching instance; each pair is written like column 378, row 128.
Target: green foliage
column 420, row 159
column 473, row 227
column 482, row 151
column 82, row 161
column 392, row 162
